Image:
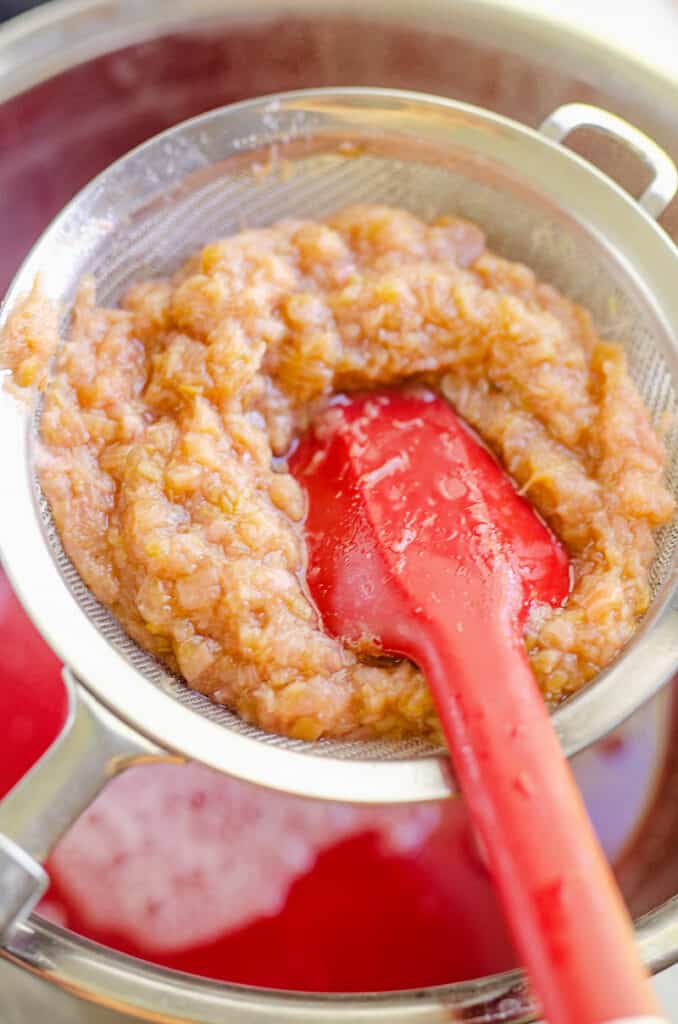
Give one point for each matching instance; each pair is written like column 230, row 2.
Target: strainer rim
column 409, row 779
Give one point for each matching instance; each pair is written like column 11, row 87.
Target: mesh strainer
column 320, row 150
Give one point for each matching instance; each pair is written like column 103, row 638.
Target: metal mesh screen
column 225, row 198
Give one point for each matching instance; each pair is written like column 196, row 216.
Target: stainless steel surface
column 662, row 188
column 498, row 54
column 149, row 993
column 23, row 883
column 537, row 201
column 92, row 747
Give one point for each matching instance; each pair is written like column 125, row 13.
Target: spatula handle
column 567, row 918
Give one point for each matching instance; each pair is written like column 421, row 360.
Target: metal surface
column 537, row 201
column 23, row 883
column 662, row 188
column 63, row 35
column 92, row 747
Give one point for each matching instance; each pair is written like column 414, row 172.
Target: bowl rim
column 46, row 40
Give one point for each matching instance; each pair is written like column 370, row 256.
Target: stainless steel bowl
column 82, row 82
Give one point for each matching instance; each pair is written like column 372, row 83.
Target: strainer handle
column 664, row 185
column 91, row 748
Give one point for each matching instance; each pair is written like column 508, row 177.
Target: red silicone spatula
column 419, row 545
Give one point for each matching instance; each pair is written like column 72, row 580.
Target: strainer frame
column 651, row 656
column 119, row 700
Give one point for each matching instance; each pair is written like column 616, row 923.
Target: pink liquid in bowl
column 210, row 876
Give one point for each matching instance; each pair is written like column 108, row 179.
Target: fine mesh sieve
column 306, row 155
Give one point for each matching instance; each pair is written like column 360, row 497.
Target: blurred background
column 8, row 8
